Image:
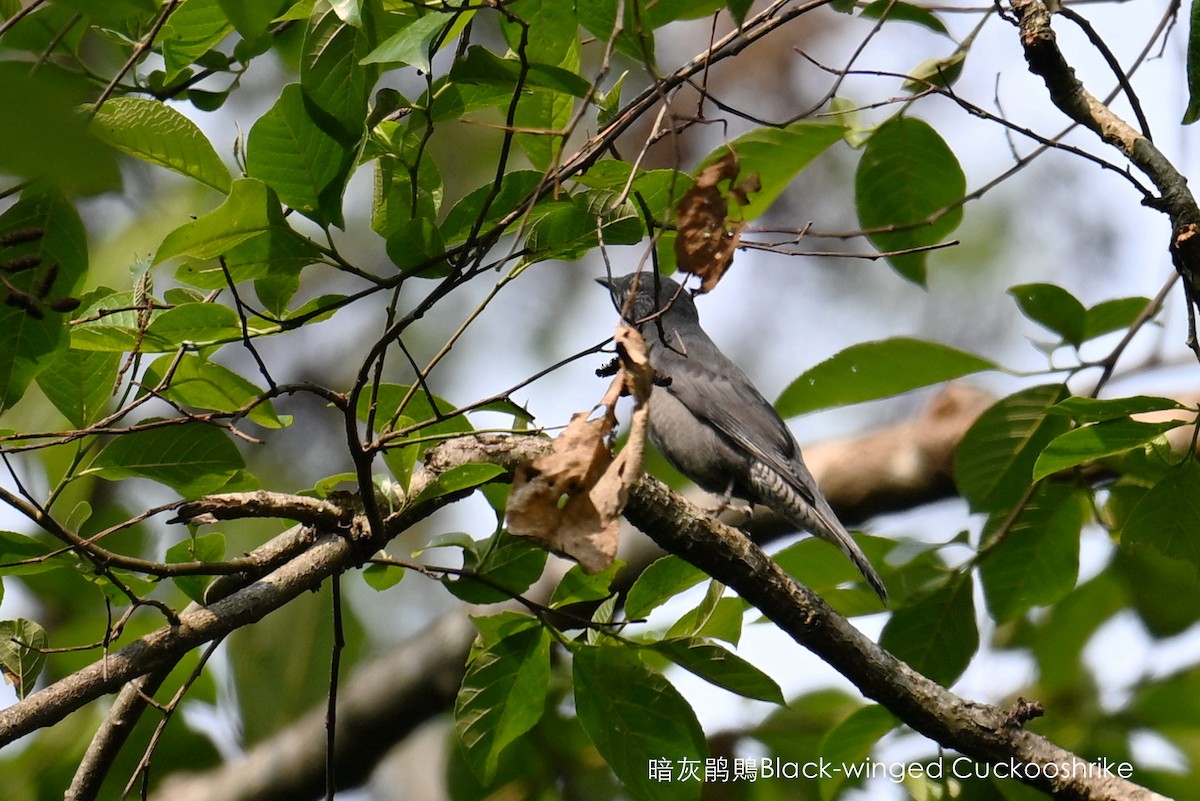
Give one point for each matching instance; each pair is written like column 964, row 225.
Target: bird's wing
column 716, row 391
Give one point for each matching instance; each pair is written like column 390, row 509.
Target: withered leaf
column 706, row 238
column 571, row 499
column 551, row 498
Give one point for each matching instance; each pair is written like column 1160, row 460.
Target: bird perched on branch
column 712, row 423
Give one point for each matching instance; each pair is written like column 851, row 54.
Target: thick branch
column 902, row 466
column 162, row 647
column 981, row 731
column 227, row 610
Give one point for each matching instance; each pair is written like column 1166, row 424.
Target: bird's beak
column 613, row 294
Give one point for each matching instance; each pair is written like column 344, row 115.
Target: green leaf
column 502, row 696
column 105, row 329
column 873, row 370
column 604, row 615
column 1167, row 701
column 663, row 12
column 937, row 634
column 1165, row 592
column 609, row 103
column 515, row 188
column 80, row 383
column 542, row 116
column 202, row 548
column 192, row 324
column 718, row 618
column 578, row 586
column 1054, row 308
column 906, row 177
column 848, row 114
column 1094, row 410
column 1059, row 637
column 412, row 44
column 46, row 135
column 482, row 66
column 253, row 19
column 16, row 548
column 665, row 578
column 1193, row 66
column 941, row 72
column 1113, row 315
column 776, row 155
column 250, row 209
column 195, row 28
column 207, row 385
column 457, row 479
column 1168, row 516
column 1037, row 562
column 637, row 720
column 851, row 741
column 904, row 12
column 658, row 189
column 349, row 11
column 556, row 42
column 157, row 133
column 396, row 202
column 993, row 466
column 382, row 577
column 393, row 412
column 193, row 458
column 448, row 100
column 738, row 9
column 21, row 653
column 290, row 152
column 566, row 229
column 28, row 342
column 697, row 621
column 418, row 242
column 334, row 79
column 274, row 253
column 299, row 10
column 635, row 37
column 720, row 667
column 114, row 12
column 509, row 565
column 1096, row 441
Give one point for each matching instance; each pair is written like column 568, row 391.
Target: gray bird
column 711, row 422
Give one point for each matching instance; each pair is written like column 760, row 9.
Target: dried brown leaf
column 571, row 499
column 551, row 498
column 706, row 238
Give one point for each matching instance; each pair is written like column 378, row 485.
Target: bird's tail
column 826, row 526
column 809, row 510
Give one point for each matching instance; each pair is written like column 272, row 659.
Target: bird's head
column 637, row 297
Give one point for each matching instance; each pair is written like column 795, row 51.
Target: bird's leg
column 723, row 500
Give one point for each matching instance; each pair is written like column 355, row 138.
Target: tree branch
column 908, row 464
column 163, row 646
column 1046, row 60
column 230, row 607
column 980, row 731
column 383, row 702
